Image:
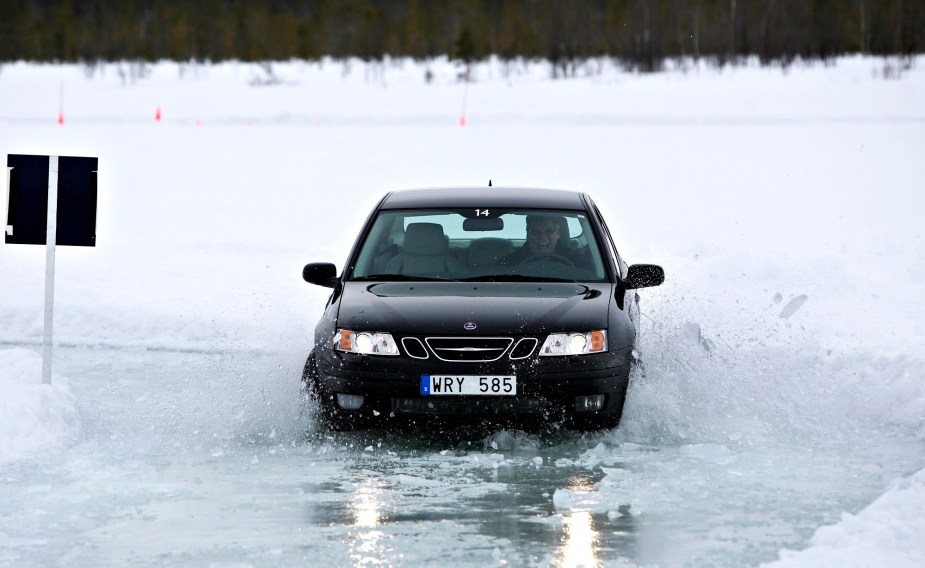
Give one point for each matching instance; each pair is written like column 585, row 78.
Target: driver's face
column 542, row 237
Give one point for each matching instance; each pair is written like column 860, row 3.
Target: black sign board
column 28, row 207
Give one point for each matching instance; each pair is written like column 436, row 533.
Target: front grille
column 469, row 349
column 414, row 347
column 524, row 348
column 428, row 405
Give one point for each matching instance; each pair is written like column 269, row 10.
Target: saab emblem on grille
column 469, row 325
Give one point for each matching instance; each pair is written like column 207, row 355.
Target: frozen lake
column 783, row 378
column 182, row 463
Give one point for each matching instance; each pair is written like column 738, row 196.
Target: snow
column 784, row 348
column 33, row 417
column 888, row 532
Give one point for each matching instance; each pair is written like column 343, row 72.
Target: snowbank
column 33, row 417
column 886, row 533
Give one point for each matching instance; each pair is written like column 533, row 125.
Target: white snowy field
column 783, row 386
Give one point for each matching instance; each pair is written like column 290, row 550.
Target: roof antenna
column 489, row 183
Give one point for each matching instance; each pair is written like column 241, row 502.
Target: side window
column 611, row 247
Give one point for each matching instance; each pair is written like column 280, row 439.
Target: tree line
column 640, row 34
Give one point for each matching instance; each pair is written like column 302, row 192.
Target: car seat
column 425, row 250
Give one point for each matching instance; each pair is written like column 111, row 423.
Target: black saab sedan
column 491, row 303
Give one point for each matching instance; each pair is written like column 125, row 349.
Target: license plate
column 492, row 385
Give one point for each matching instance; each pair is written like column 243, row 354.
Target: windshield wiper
column 400, row 278
column 513, row 278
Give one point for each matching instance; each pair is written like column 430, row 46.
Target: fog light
column 587, row 403
column 349, row 401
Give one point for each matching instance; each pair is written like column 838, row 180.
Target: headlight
column 365, row 342
column 575, row 343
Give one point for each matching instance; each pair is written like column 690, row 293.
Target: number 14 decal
column 481, row 212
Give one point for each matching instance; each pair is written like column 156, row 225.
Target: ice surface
column 748, row 425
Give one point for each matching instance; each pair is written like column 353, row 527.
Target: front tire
column 328, row 415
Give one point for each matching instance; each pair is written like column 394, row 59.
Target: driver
column 542, row 239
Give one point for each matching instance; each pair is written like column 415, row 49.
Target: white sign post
column 50, row 237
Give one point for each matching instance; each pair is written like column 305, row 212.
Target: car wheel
column 328, row 415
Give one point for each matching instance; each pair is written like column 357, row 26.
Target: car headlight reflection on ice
column 558, row 344
column 365, row 342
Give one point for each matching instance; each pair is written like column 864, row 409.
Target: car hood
column 494, row 307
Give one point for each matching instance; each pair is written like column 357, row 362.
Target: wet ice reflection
column 367, row 547
column 581, row 542
column 366, row 504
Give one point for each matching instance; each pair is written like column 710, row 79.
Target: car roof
column 525, row 197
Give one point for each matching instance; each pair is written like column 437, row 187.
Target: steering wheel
column 554, row 257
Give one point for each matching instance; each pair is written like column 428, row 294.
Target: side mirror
column 643, row 276
column 320, row 273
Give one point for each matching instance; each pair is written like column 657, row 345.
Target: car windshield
column 480, row 245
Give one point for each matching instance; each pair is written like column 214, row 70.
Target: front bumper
column 547, row 387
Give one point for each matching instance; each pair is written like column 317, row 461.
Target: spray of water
column 704, row 376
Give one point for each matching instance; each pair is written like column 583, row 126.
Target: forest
column 638, row 34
